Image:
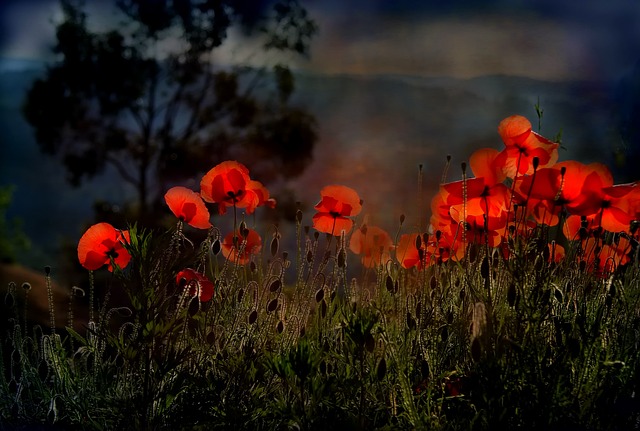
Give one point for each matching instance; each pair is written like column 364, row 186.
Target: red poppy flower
column 483, row 164
column 102, row 244
column 549, row 191
column 188, row 206
column 407, row 253
column 258, row 195
column 197, row 283
column 373, row 243
column 338, row 203
column 226, row 185
column 250, row 243
column 522, row 145
column 486, row 195
column 602, row 260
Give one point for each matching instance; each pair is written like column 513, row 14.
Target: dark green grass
column 292, row 341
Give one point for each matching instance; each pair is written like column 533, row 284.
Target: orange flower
column 226, row 185
column 197, row 283
column 250, row 242
column 373, row 243
column 602, row 260
column 486, row 195
column 338, row 203
column 522, row 145
column 483, row 164
column 569, row 185
column 102, row 244
column 258, row 195
column 407, row 252
column 188, row 206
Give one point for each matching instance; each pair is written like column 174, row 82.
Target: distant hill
column 374, row 132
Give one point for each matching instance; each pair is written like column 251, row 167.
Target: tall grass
column 476, row 344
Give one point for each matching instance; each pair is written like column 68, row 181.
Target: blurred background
column 106, row 104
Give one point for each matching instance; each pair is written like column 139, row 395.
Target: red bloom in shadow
column 197, row 283
column 373, row 243
column 226, row 185
column 188, row 206
column 487, row 198
column 570, row 184
column 258, row 195
column 239, row 246
column 407, row 252
column 102, row 244
column 602, row 260
column 338, row 203
column 608, row 208
column 522, row 145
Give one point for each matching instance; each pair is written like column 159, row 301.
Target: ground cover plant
column 516, row 308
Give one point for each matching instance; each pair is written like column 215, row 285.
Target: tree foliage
column 150, row 98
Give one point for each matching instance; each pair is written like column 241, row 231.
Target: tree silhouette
column 149, row 99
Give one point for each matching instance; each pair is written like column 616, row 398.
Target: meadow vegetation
column 516, row 308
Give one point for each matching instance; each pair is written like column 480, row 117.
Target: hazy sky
column 545, row 39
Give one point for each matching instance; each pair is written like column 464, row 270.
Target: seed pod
column 299, row 216
column 319, row 295
column 411, row 322
column 484, row 268
column 275, row 244
column 216, row 247
column 512, row 294
column 211, row 338
column 433, row 282
column 476, row 350
column 342, row 258
column 194, row 307
column 253, row 267
column 369, row 342
column 450, row 317
column 272, row 305
column 253, row 317
column 381, row 371
column 323, row 367
column 389, row 284
column 280, row 326
column 275, row 285
column 418, row 242
column 323, row 309
column 309, row 256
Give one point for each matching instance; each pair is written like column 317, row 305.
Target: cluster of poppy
column 484, row 209
column 511, row 192
column 227, row 185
